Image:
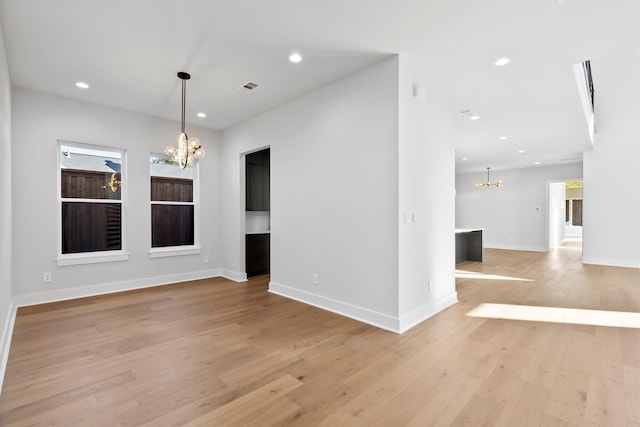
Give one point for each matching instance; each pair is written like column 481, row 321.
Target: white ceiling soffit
column 130, row 51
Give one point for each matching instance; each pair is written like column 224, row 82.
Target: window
column 90, row 196
column 173, row 207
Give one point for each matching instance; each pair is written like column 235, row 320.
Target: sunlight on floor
column 461, row 274
column 619, row 319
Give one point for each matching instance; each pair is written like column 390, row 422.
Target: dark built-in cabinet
column 257, row 200
column 257, row 254
column 257, row 181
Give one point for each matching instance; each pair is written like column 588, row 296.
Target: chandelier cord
column 184, row 101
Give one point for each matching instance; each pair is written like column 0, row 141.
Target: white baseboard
column 109, row 288
column 233, row 275
column 561, row 244
column 5, row 340
column 380, row 320
column 420, row 314
column 516, row 247
column 612, row 262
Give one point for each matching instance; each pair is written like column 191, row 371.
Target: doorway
column 258, row 213
column 564, row 225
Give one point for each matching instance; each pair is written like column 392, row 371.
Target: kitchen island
column 469, row 246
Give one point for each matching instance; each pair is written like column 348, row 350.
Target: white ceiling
column 129, row 51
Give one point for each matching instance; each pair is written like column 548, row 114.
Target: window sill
column 91, row 258
column 174, row 251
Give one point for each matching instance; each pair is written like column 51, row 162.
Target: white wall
column 39, row 120
column 334, row 194
column 574, row 231
column 611, row 217
column 347, row 162
column 557, row 214
column 426, row 193
column 514, row 216
column 6, row 311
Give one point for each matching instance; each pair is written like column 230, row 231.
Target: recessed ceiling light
column 502, row 61
column 202, row 115
column 521, row 151
column 82, row 85
column 295, row 57
column 536, row 163
column 474, row 117
column 465, row 158
column 502, row 138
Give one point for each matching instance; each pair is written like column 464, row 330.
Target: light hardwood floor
column 215, row 352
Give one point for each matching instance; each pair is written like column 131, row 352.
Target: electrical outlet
column 205, row 259
column 314, row 278
column 46, row 277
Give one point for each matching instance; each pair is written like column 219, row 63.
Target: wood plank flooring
column 218, row 353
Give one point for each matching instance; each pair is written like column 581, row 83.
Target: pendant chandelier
column 488, row 183
column 189, row 149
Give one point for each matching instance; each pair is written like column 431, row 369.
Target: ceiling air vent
column 248, row 87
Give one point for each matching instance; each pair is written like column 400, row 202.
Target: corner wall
column 334, row 194
column 349, row 162
column 611, row 217
column 426, row 192
column 6, row 294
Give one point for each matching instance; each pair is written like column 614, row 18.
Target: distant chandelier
column 489, row 183
column 189, row 149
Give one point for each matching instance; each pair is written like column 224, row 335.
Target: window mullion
column 74, row 200
column 163, row 202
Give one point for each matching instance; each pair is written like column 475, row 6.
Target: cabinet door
column 257, row 254
column 266, row 180
column 254, row 188
column 257, row 181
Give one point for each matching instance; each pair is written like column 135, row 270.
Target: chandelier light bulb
column 199, row 153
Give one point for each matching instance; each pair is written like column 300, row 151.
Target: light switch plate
column 409, row 217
